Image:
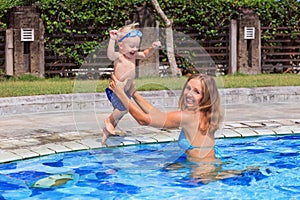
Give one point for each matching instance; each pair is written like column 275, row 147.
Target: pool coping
column 240, row 129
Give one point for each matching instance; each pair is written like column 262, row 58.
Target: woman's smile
column 189, row 100
column 193, row 93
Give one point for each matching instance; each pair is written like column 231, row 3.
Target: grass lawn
column 28, row 86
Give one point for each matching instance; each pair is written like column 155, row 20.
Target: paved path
column 31, row 135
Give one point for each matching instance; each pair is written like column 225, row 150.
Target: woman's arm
column 153, row 117
column 143, row 103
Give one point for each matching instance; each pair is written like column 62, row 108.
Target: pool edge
column 229, row 130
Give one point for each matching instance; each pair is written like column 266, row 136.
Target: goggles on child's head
column 131, row 33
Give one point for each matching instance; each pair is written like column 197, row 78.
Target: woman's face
column 130, row 46
column 193, row 94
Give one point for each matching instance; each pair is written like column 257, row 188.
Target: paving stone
column 283, row 130
column 114, row 141
column 92, row 143
column 219, row 133
column 8, row 143
column 42, row 150
column 70, row 135
column 138, row 139
column 74, row 146
column 268, row 123
column 236, row 125
column 122, row 141
column 252, row 124
column 262, row 132
column 129, row 140
column 295, row 129
column 6, row 156
column 140, row 131
column 27, row 142
column 285, row 122
column 24, row 153
column 163, row 138
column 153, row 130
column 58, row 148
column 145, row 140
column 226, row 126
column 246, row 132
column 296, row 121
column 173, row 135
column 228, row 133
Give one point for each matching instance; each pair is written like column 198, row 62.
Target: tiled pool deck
column 42, row 133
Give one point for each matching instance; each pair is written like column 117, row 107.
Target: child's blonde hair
column 125, row 29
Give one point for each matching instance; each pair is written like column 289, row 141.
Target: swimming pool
column 253, row 168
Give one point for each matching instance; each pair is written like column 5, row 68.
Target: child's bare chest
column 124, row 69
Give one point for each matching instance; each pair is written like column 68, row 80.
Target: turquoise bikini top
column 186, row 145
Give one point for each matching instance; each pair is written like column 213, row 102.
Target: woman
column 199, row 115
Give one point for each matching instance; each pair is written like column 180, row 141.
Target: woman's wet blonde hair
column 210, row 105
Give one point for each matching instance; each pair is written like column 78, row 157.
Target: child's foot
column 105, row 135
column 108, row 130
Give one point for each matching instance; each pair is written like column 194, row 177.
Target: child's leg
column 113, row 119
column 110, row 123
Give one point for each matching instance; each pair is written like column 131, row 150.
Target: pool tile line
column 229, row 130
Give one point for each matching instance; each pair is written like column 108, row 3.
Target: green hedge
column 203, row 16
column 59, row 14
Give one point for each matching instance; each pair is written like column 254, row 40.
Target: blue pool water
column 252, row 168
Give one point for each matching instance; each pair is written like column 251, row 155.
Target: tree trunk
column 169, row 39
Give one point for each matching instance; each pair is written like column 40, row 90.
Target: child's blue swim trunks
column 115, row 101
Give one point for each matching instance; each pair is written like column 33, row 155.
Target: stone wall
column 161, row 99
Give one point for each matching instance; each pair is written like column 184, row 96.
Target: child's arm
column 148, row 52
column 111, row 54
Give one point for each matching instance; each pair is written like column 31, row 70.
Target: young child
column 128, row 40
